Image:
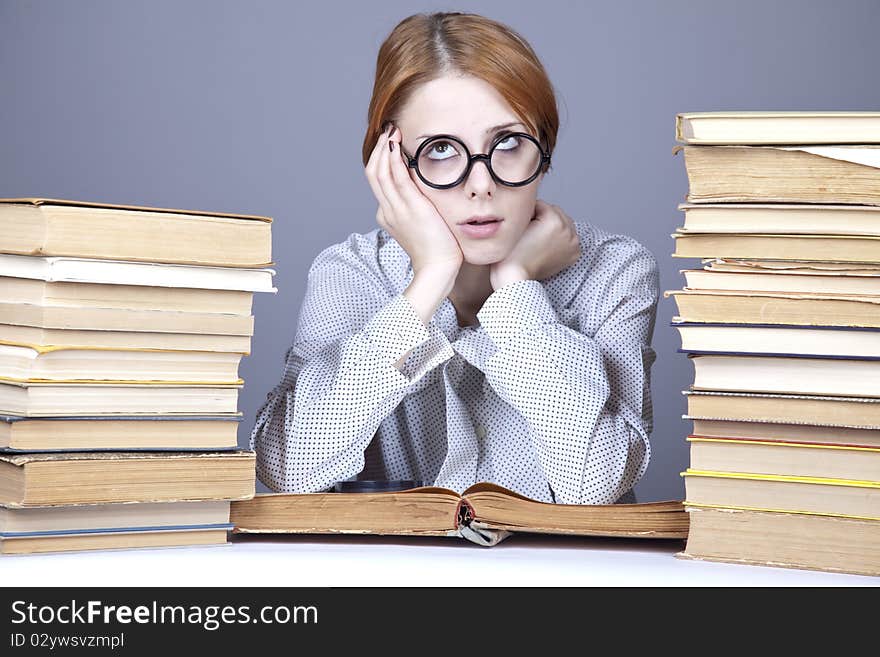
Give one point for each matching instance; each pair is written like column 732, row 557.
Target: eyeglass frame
column 412, row 161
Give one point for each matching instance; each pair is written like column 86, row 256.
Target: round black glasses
column 443, row 161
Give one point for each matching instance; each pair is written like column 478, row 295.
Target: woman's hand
column 408, row 215
column 549, row 244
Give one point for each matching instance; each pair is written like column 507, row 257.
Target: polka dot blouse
column 547, row 395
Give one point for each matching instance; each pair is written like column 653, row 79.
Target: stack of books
column 121, row 333
column 782, row 326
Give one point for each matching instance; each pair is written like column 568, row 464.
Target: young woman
column 478, row 334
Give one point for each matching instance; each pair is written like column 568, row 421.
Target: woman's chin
column 483, row 259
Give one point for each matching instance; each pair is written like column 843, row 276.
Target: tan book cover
column 776, row 174
column 787, row 431
column 781, row 281
column 740, row 307
column 119, row 432
column 57, row 398
column 124, row 297
column 778, row 127
column 762, row 492
column 784, row 457
column 121, row 319
column 40, row 337
column 848, row 377
column 799, row 218
column 60, row 227
column 784, row 409
column 841, row 248
column 784, row 540
column 27, row 364
column 68, row 478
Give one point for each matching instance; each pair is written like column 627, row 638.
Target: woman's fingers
column 400, row 172
column 371, row 171
column 387, row 185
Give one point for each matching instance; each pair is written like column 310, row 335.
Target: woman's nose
column 479, row 180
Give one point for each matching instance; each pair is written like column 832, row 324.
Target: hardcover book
column 790, row 431
column 756, row 307
column 783, row 457
column 797, row 375
column 784, row 540
column 116, row 398
column 839, row 283
column 39, row 337
column 108, row 526
column 828, row 175
column 485, row 513
column 760, row 492
column 119, row 433
column 126, row 272
column 794, row 218
column 784, row 409
column 832, row 341
column 778, row 127
column 60, row 227
column 840, row 248
column 27, row 364
column 105, row 477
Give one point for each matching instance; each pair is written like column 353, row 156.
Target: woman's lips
column 481, row 228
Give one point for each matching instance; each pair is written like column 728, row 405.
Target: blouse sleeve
column 340, row 380
column 586, row 399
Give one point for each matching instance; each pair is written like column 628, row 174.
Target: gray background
column 260, row 107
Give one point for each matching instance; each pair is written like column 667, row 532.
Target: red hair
column 423, row 47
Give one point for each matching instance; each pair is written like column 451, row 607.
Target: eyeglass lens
column 514, row 160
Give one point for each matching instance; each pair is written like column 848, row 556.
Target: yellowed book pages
column 841, row 248
column 778, row 127
column 785, row 458
column 39, row 337
column 706, row 279
column 124, row 297
column 800, row 218
column 760, row 492
column 146, row 432
column 121, row 398
column 26, row 364
column 729, row 306
column 803, row 267
column 793, row 431
column 116, row 319
column 104, row 477
column 785, row 409
column 784, row 540
column 113, row 541
column 440, row 511
column 58, row 227
column 97, row 517
column 767, row 174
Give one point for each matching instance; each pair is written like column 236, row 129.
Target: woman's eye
column 441, row 150
column 508, row 143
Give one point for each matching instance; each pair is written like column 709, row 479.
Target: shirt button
column 481, row 432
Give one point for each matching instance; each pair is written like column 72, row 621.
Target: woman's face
column 470, row 109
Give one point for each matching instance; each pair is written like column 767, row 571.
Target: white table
column 349, row 560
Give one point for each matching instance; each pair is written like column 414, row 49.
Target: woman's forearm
column 425, row 293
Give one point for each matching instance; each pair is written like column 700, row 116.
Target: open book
column 485, row 514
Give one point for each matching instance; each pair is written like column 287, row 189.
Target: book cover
column 59, row 227
column 778, row 127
